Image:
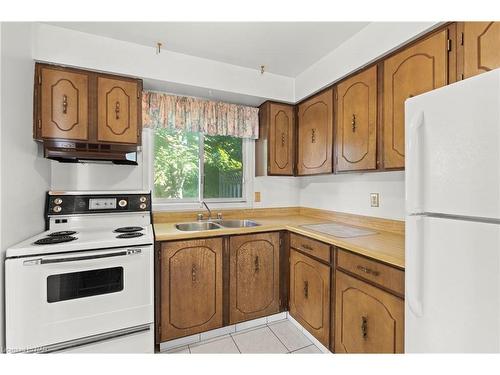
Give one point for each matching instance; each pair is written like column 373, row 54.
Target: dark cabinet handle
column 313, row 135
column 282, row 139
column 193, row 273
column 353, row 122
column 369, row 271
column 307, row 247
column 364, row 327
column 257, row 264
column 65, row 104
column 117, row 110
column 306, row 289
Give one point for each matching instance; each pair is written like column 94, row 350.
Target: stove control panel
column 60, row 203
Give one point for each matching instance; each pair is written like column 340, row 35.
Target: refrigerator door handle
column 414, row 173
column 414, row 269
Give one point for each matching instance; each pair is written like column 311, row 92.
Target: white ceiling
column 286, row 48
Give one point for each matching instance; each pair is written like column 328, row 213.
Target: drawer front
column 314, row 248
column 386, row 276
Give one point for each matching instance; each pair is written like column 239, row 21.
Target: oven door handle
column 38, row 261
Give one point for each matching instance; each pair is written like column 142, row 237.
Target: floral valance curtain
column 161, row 110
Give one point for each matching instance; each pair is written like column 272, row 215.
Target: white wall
column 351, row 193
column 25, row 176
column 372, row 42
column 277, row 191
column 74, row 48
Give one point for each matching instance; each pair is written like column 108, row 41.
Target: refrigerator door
column 452, row 286
column 453, row 149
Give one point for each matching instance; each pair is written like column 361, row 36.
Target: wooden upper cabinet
column 310, row 295
column 367, row 319
column 254, row 276
column 191, row 287
column 417, row 69
column 315, row 134
column 63, row 104
column 356, row 126
column 479, row 51
column 80, row 105
column 117, row 110
column 275, row 147
column 281, row 130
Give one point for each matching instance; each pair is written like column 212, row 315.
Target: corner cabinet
column 315, row 135
column 191, row 287
column 275, row 146
column 417, row 69
column 254, row 276
column 309, row 297
column 80, row 105
column 356, row 125
column 479, row 50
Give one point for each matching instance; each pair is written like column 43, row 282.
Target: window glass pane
column 176, row 164
column 223, row 167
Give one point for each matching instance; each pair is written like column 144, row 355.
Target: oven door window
column 83, row 284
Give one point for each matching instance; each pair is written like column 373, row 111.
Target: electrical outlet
column 374, row 201
column 257, row 196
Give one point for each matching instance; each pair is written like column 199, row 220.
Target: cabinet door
column 64, row 104
column 117, row 110
column 254, row 276
column 310, row 295
column 356, row 128
column 191, row 287
column 281, row 146
column 367, row 319
column 481, row 47
column 315, row 135
column 420, row 68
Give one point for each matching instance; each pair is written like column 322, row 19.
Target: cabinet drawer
column 386, row 276
column 315, row 248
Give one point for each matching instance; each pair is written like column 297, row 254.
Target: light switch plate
column 257, row 196
column 374, row 201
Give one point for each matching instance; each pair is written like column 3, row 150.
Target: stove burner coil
column 54, row 240
column 62, row 233
column 128, row 229
column 130, row 235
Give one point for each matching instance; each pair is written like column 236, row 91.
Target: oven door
column 56, row 298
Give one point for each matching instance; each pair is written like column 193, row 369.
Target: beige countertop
column 385, row 246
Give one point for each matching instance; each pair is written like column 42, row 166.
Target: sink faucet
column 208, row 209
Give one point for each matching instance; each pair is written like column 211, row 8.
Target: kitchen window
column 192, row 167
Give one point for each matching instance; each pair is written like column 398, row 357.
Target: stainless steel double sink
column 215, row 224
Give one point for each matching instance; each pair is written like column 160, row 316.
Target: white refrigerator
column 452, row 137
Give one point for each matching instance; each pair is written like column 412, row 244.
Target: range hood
column 70, row 152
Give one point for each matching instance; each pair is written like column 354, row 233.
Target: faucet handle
column 199, row 217
column 219, row 215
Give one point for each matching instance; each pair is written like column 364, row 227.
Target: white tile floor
column 277, row 337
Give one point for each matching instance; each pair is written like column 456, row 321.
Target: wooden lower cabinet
column 254, row 276
column 310, row 295
column 191, row 287
column 367, row 319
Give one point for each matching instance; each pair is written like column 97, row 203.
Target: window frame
column 189, row 204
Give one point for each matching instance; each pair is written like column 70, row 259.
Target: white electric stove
column 86, row 283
